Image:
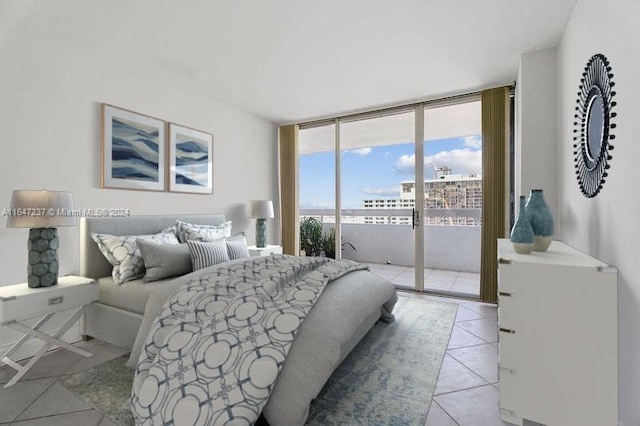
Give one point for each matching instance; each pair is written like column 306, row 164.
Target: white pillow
column 209, row 253
column 123, row 252
column 192, row 232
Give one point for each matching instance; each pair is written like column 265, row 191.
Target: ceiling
column 297, row 60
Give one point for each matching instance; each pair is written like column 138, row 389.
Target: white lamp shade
column 41, row 209
column 261, row 209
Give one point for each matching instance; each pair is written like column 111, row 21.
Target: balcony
column 452, row 252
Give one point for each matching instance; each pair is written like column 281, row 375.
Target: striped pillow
column 205, row 254
column 237, row 247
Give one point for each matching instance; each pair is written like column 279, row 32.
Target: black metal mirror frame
column 591, row 148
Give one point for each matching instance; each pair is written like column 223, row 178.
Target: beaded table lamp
column 43, row 212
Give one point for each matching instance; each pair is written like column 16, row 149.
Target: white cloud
column 460, row 161
column 390, row 192
column 473, row 141
column 463, row 161
column 361, row 151
column 406, row 164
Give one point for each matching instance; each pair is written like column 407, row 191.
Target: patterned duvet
column 214, row 354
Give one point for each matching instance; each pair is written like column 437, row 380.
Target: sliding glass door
column 411, row 211
column 453, row 196
column 377, row 176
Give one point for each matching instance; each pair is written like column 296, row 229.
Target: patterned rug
column 388, row 379
column 107, row 387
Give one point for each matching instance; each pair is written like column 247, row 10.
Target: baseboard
column 32, row 345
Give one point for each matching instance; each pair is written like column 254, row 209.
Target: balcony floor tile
column 435, row 279
column 388, row 275
column 465, row 288
column 443, row 273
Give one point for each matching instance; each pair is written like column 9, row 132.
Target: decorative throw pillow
column 123, row 253
column 192, row 232
column 237, row 247
column 164, row 260
column 205, row 254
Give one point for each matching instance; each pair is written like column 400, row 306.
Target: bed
column 343, row 313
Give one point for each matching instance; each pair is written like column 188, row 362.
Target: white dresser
column 558, row 337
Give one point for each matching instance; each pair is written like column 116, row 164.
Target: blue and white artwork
column 134, row 151
column 192, row 161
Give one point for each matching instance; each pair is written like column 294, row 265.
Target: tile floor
column 40, row 399
column 466, row 392
column 466, row 284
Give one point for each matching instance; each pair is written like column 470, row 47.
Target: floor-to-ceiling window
column 376, row 208
column 317, row 179
column 453, row 195
column 366, row 165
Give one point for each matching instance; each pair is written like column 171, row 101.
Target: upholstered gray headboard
column 94, row 265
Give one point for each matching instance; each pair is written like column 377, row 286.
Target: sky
column 376, row 172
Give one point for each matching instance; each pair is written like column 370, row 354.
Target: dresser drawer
column 20, row 302
column 509, row 309
column 510, row 393
column 508, row 278
column 510, row 383
column 508, row 349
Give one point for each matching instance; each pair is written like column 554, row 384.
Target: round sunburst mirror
column 593, row 125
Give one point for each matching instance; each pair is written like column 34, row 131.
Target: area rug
column 388, row 379
column 107, row 387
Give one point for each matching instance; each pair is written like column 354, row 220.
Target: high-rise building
column 446, row 191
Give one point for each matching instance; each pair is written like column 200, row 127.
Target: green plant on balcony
column 329, row 243
column 311, row 236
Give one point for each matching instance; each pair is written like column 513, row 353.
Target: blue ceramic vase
column 541, row 220
column 522, row 236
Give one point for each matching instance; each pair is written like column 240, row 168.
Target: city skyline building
column 447, row 191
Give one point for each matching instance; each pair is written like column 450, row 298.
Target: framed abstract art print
column 190, row 160
column 133, row 150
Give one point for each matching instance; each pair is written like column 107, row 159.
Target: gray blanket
column 343, row 315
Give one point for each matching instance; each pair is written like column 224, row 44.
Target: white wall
column 52, row 81
column 536, row 126
column 446, row 247
column 607, row 226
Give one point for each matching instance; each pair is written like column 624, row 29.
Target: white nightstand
column 265, row 251
column 20, row 302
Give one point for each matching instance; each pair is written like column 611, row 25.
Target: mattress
column 131, row 296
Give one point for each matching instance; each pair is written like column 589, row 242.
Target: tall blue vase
column 522, row 236
column 541, row 220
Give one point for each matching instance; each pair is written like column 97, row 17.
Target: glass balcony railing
column 433, row 216
column 385, row 237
